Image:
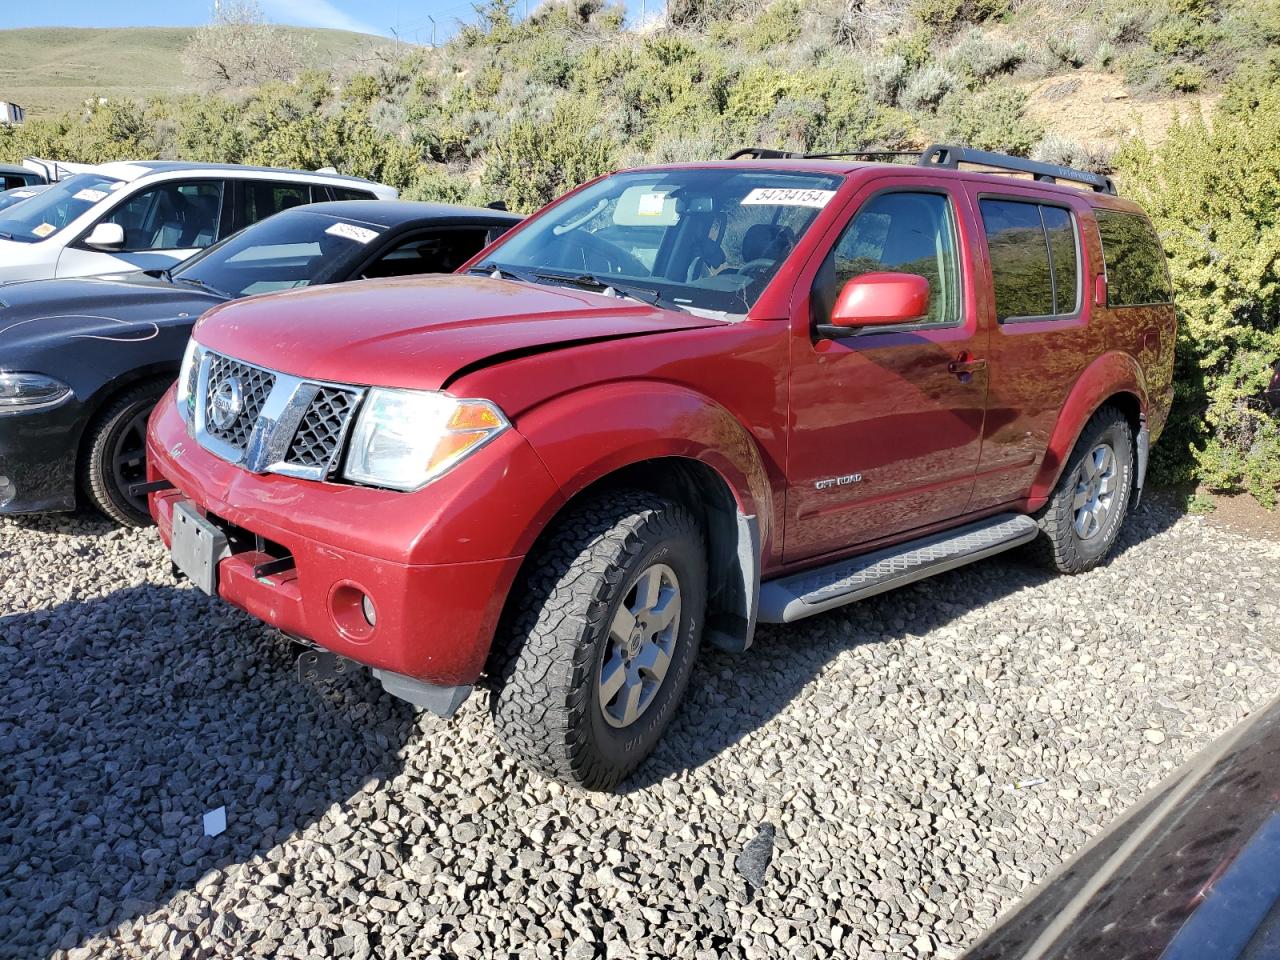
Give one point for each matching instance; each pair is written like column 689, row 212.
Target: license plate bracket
column 197, row 547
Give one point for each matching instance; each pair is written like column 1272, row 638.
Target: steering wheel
column 596, row 255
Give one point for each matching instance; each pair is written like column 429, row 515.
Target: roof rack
column 950, row 157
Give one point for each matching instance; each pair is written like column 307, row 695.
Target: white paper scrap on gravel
column 215, row 821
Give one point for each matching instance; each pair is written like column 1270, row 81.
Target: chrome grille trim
column 287, row 425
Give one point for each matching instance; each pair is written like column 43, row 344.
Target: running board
column 814, row 591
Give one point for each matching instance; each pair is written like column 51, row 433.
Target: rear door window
column 346, row 193
column 1035, row 259
column 1137, row 273
column 259, row 199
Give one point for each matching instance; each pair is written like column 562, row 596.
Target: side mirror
column 880, row 299
column 108, row 237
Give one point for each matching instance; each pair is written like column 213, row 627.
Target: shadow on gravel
column 732, row 695
column 123, row 720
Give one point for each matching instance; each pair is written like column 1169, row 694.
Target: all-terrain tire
column 112, row 457
column 556, row 635
column 1061, row 544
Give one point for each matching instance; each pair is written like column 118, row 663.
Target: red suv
column 677, row 401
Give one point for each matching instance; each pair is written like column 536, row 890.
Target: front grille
column 255, row 387
column 323, row 427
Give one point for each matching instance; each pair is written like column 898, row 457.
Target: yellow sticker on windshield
column 788, row 197
column 44, row 229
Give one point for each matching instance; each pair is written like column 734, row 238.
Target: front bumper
column 38, row 459
column 434, row 620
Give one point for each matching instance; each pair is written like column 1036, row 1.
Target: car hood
column 420, row 332
column 125, row 308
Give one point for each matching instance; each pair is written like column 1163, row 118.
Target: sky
column 411, row 19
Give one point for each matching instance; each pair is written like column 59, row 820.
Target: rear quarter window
column 1135, row 262
column 1035, row 267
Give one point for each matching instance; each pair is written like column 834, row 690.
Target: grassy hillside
column 52, row 69
column 522, row 109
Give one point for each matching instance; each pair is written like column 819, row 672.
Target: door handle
column 965, row 365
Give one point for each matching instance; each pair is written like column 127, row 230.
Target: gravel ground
column 840, row 790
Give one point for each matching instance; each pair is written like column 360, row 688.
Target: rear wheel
column 116, row 455
column 1082, row 519
column 601, row 638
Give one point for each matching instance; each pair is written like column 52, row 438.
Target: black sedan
column 83, row 360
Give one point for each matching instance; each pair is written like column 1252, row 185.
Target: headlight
column 406, row 438
column 187, row 381
column 22, row 391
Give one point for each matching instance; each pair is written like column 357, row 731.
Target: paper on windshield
column 23, row 193
column 93, row 196
column 351, row 232
column 650, row 204
column 788, row 197
column 44, row 229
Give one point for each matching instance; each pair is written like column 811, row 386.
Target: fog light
column 370, row 614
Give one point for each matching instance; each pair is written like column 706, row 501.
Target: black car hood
column 130, row 307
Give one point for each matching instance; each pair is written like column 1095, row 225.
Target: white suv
column 150, row 215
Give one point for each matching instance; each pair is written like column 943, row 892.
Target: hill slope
column 51, row 69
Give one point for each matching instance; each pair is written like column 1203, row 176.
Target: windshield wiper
column 492, row 269
column 635, row 291
column 201, row 284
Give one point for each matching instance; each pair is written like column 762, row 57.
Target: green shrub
column 885, row 77
column 534, row 162
column 1212, row 192
column 1185, row 77
column 777, row 25
column 993, row 120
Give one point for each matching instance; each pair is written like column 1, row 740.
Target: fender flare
column 585, row 436
column 1109, row 375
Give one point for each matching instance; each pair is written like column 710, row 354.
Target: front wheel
column 116, row 455
column 1082, row 519
column 601, row 638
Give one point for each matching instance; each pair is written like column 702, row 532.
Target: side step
column 814, row 591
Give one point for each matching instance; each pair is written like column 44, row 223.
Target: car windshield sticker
column 788, row 197
column 93, row 196
column 351, row 232
column 650, row 204
column 44, row 229
column 23, row 193
column 117, row 185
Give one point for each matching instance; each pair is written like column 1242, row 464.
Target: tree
column 240, row 49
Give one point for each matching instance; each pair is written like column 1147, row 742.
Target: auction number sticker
column 93, row 196
column 351, row 232
column 44, row 229
column 788, row 197
column 650, row 204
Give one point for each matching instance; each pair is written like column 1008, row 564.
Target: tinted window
column 1034, row 258
column 343, row 193
column 441, row 252
column 292, row 250
column 1136, row 268
column 706, row 239
column 171, row 216
column 259, row 199
column 900, row 233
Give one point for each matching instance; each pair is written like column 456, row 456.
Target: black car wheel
column 116, row 455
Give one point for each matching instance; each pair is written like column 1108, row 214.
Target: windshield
column 708, row 239
column 43, row 215
column 9, row 197
column 296, row 248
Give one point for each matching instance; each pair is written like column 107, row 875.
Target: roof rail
column 949, row 157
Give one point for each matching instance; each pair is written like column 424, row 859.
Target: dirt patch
column 1236, row 513
column 1094, row 108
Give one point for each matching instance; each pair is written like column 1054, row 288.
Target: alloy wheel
column 641, row 641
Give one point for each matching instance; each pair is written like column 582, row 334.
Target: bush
column 885, row 77
column 1211, row 190
column 1067, row 153
column 979, row 55
column 925, row 89
column 993, row 120
column 534, row 162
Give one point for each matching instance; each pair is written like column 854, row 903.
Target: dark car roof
column 395, row 213
column 16, row 168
